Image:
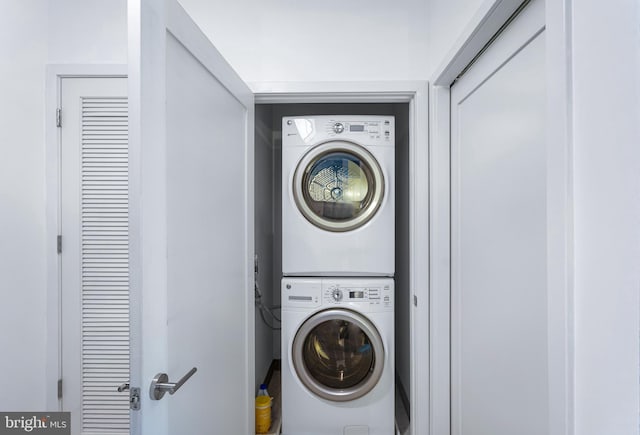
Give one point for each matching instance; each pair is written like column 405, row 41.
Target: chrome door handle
column 123, row 387
column 160, row 384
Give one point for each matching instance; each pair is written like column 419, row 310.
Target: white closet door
column 191, row 227
column 498, row 229
column 95, row 254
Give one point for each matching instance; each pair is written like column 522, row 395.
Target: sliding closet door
column 498, row 228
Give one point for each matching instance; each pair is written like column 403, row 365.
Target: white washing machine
column 338, row 208
column 337, row 356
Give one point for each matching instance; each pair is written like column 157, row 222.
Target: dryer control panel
column 378, row 130
column 365, row 129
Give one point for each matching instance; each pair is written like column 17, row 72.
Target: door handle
column 134, row 395
column 161, row 385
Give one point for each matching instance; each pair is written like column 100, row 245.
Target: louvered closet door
column 94, row 306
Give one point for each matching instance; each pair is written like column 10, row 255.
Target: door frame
column 416, row 94
column 54, row 75
column 489, row 19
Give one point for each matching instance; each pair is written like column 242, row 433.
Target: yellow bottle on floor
column 263, row 414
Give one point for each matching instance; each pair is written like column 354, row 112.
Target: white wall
column 446, row 20
column 333, row 40
column 606, row 116
column 23, row 26
column 87, row 31
column 32, row 33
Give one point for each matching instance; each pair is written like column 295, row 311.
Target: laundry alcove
column 268, row 235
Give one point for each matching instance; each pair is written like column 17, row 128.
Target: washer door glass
column 338, row 186
column 338, row 355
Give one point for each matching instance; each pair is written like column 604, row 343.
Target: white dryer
column 337, row 356
column 338, row 208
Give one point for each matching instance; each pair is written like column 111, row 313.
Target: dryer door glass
column 339, row 186
column 338, row 356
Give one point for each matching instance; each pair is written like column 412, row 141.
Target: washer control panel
column 365, row 294
column 359, row 294
column 336, row 294
column 301, row 292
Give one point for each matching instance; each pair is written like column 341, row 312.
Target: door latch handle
column 161, row 385
column 134, row 395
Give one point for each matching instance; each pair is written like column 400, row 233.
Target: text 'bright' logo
column 38, row 423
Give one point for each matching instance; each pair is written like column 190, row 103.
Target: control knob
column 336, row 294
column 338, row 127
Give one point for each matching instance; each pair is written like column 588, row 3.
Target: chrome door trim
column 332, row 394
column 361, row 153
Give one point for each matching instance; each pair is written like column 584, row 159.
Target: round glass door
column 338, row 186
column 338, row 355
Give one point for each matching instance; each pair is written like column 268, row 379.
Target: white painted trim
column 416, row 94
column 53, row 76
column 419, row 259
column 65, row 70
column 560, row 240
column 489, row 18
column 335, row 92
column 134, row 67
column 439, row 264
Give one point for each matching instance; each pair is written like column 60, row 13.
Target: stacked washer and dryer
column 338, row 261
